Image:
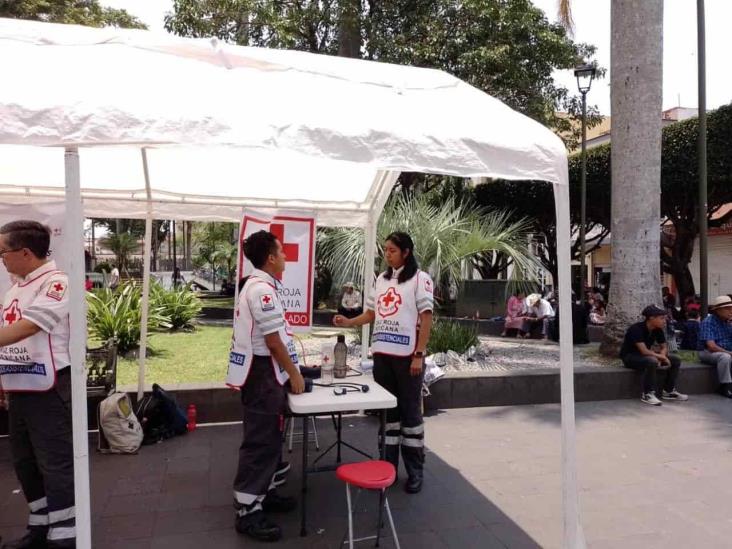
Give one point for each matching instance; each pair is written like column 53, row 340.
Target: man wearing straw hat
column 715, row 341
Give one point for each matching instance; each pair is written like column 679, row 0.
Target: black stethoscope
column 340, row 389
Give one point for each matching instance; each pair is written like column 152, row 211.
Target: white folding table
column 323, row 401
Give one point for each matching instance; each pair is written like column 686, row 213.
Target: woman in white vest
column 400, row 306
column 262, row 360
column 35, row 372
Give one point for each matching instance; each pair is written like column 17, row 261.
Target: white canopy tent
column 222, row 127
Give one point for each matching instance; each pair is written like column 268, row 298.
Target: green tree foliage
column 216, row 247
column 445, row 235
column 136, row 228
column 680, row 188
column 123, row 245
column 679, row 194
column 534, row 202
column 506, row 48
column 77, row 12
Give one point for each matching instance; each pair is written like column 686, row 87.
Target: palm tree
column 445, row 235
column 636, row 102
column 123, row 245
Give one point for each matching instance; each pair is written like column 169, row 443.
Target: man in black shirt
column 645, row 349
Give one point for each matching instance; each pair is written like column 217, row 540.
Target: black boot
column 725, row 389
column 34, row 538
column 256, row 526
column 414, row 464
column 275, row 503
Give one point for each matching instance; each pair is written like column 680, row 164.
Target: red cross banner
column 296, row 232
column 51, row 214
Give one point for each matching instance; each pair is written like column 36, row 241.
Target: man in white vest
column 262, row 360
column 36, row 380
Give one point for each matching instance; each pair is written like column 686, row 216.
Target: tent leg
column 573, row 537
column 383, row 184
column 77, row 346
column 146, row 253
column 368, row 276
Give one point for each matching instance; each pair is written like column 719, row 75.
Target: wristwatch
column 418, row 354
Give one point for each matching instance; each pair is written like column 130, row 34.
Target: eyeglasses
column 3, row 252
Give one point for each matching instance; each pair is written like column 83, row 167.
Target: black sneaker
column 413, row 485
column 33, row 539
column 275, row 503
column 257, row 526
column 726, row 390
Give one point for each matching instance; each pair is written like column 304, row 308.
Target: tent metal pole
column 146, row 253
column 368, row 270
column 573, row 537
column 77, row 346
column 384, row 183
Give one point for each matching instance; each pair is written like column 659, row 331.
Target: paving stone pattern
column 649, row 477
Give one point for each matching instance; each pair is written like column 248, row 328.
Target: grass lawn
column 180, row 357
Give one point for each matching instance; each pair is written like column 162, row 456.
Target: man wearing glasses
column 35, row 377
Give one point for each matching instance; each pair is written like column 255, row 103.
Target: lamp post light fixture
column 584, row 75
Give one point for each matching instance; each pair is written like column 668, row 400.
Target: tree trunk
column 636, row 94
column 349, row 29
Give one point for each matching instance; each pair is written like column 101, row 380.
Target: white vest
column 30, row 364
column 241, row 354
column 396, row 316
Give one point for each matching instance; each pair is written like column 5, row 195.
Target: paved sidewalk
column 650, row 477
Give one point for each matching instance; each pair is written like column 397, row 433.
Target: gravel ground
column 496, row 354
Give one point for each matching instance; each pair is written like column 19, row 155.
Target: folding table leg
column 379, row 524
column 303, row 503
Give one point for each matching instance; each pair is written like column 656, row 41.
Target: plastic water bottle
column 340, row 353
column 326, row 364
column 191, row 417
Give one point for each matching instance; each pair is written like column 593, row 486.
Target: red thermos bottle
column 191, row 417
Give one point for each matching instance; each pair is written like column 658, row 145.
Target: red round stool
column 369, row 475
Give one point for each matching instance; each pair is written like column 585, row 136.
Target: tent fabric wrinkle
column 150, row 89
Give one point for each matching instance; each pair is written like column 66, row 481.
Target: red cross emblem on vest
column 389, row 302
column 12, row 314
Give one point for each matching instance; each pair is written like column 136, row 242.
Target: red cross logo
column 389, row 303
column 12, row 313
column 266, row 299
column 58, row 286
column 291, row 251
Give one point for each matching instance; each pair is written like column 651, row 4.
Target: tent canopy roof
column 233, row 126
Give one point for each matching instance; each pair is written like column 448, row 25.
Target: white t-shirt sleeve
column 265, row 307
column 51, row 305
column 425, row 292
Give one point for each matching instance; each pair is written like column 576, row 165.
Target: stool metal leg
column 380, row 523
column 350, row 517
column 292, row 434
column 391, row 522
column 315, row 432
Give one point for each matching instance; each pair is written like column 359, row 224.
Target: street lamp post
column 584, row 74
column 702, row 145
